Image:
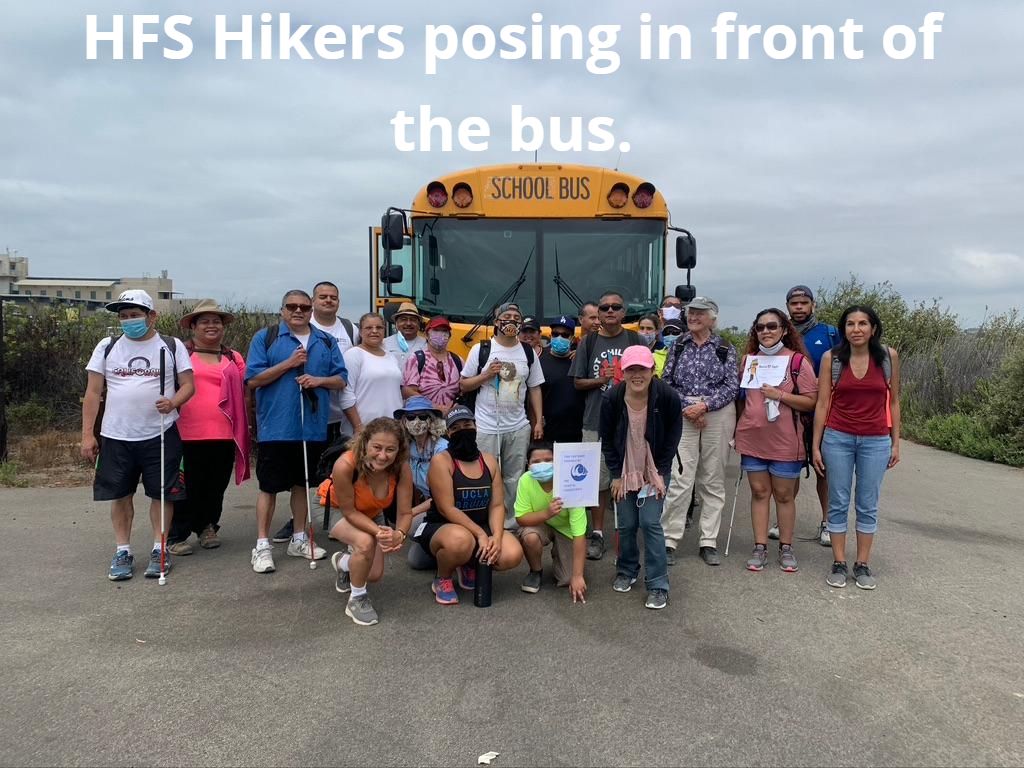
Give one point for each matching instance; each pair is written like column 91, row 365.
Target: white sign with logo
column 764, row 369
column 577, row 474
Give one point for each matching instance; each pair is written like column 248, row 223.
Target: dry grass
column 51, row 459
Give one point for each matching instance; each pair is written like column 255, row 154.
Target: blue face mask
column 542, row 471
column 135, row 328
column 668, row 341
column 560, row 345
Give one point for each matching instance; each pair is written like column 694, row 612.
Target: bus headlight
column 462, row 195
column 618, row 195
column 437, row 195
column 644, row 195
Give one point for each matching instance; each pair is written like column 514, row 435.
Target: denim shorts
column 790, row 470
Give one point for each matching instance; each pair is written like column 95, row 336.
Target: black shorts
column 122, row 462
column 279, row 465
column 430, row 529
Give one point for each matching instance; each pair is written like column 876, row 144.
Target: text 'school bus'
column 545, row 236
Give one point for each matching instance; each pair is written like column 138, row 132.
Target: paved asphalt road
column 226, row 667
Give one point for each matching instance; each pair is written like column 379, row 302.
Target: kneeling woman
column 368, row 479
column 465, row 523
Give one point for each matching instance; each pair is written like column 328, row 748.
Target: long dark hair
column 875, row 348
column 792, row 339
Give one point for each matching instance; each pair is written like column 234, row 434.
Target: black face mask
column 462, row 445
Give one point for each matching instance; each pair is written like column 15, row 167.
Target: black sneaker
column 595, row 546
column 710, row 556
column 285, row 534
column 656, row 599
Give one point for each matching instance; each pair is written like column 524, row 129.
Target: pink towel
column 232, row 405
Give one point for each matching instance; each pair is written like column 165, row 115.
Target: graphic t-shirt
column 500, row 402
column 132, row 372
column 605, row 352
column 530, row 497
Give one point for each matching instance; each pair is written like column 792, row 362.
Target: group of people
column 457, row 455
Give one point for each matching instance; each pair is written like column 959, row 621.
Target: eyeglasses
column 562, row 334
column 761, row 327
column 611, row 307
column 298, row 307
column 418, row 417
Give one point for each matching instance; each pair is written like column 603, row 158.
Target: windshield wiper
column 563, row 287
column 508, row 295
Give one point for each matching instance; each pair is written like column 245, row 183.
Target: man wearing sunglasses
column 292, row 367
column 595, row 369
column 563, row 403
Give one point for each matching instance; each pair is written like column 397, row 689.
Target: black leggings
column 208, row 468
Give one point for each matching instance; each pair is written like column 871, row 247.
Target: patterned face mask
column 509, row 327
column 438, row 339
column 416, row 427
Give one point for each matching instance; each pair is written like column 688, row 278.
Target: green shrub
column 9, row 475
column 29, row 418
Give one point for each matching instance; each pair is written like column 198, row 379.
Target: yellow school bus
column 546, row 236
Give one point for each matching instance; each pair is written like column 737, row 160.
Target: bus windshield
column 461, row 267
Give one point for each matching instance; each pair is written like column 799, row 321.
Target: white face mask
column 671, row 313
column 772, row 350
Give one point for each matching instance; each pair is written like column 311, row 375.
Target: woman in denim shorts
column 857, row 433
column 769, row 431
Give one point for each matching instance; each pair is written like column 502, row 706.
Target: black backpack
column 468, row 399
column 421, row 361
column 172, row 345
column 325, row 466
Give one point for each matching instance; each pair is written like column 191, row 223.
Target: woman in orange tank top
column 367, row 480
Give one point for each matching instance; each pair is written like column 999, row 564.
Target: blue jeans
column 844, row 455
column 632, row 513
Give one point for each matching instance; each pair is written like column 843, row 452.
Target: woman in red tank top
column 367, row 479
column 856, row 433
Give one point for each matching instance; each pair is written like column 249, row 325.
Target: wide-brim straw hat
column 205, row 307
column 408, row 308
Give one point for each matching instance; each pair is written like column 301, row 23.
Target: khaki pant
column 561, row 550
column 705, row 453
column 510, row 450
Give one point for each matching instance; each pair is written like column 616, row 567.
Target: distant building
column 16, row 284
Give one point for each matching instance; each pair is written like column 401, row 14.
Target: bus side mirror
column 686, row 252
column 390, row 274
column 433, row 255
column 686, row 293
column 392, row 232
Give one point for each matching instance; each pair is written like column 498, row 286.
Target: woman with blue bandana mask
column 543, row 521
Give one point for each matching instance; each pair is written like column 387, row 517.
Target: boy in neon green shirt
column 542, row 521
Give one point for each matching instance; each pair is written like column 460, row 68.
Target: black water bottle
column 482, row 591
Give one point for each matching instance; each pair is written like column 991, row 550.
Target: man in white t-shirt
column 510, row 373
column 140, row 410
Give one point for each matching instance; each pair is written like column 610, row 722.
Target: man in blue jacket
column 291, row 367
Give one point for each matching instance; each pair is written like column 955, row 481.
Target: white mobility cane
column 305, row 470
column 735, row 495
column 163, row 474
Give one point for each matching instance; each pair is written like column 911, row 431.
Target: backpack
column 325, row 466
column 190, row 347
column 421, row 360
column 172, row 345
column 468, row 399
column 799, row 417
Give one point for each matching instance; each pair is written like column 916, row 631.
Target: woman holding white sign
column 641, row 422
column 777, row 384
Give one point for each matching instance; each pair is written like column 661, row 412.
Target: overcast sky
column 243, row 178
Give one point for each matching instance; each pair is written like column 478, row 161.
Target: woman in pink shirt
column 214, row 429
column 770, row 432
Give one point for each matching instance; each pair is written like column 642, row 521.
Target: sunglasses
column 761, row 327
column 611, row 307
column 440, row 371
column 669, row 334
column 418, row 417
column 298, row 307
column 562, row 334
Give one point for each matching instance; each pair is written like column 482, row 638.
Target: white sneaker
column 301, row 549
column 263, row 559
column 773, row 533
column 824, row 537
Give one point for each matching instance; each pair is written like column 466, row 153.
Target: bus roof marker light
column 437, row 195
column 619, row 195
column 462, row 195
column 644, row 195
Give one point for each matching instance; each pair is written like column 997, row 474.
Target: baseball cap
column 440, row 321
column 797, row 290
column 565, row 321
column 506, row 307
column 675, row 325
column 133, row 298
column 636, row 355
column 703, row 302
column 457, row 414
column 530, row 323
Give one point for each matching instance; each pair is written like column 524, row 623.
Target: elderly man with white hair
column 701, row 368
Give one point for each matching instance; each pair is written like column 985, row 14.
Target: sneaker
column 344, row 582
column 122, row 566
column 286, row 532
column 263, row 559
column 623, row 583
column 531, row 583
column 180, row 548
column 787, row 560
column 710, row 556
column 773, row 533
column 467, row 577
column 657, row 599
column 838, row 576
column 758, row 560
column 863, row 577
column 298, row 548
column 209, row 539
column 360, row 610
column 824, row 537
column 153, row 569
column 670, row 555
column 444, row 592
column 595, row 546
